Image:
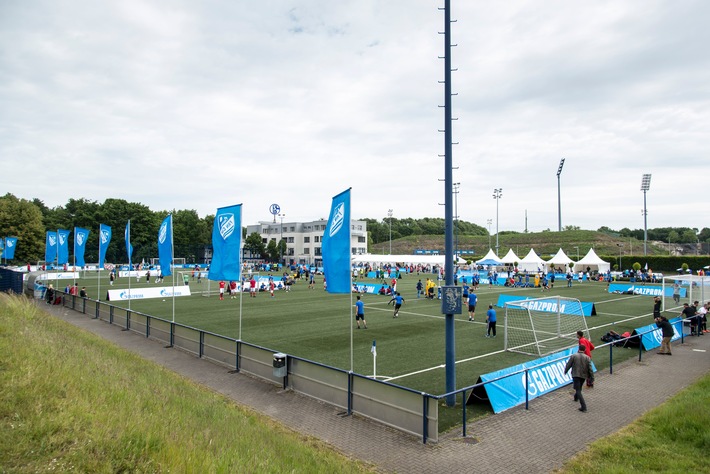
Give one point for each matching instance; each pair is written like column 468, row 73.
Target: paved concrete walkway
column 517, row 441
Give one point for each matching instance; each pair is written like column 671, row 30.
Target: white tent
column 490, row 259
column 531, row 262
column 560, row 260
column 592, row 261
column 510, row 257
column 403, row 259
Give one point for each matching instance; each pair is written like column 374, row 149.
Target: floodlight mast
column 559, row 196
column 645, row 186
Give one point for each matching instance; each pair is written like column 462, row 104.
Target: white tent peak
column 560, row 258
column 531, row 262
column 510, row 257
column 592, row 261
column 491, row 256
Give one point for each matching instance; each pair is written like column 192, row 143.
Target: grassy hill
column 546, row 244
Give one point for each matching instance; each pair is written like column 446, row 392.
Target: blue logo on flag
column 226, row 225
column 336, row 246
column 165, row 246
column 80, row 237
column 104, row 240
column 63, row 250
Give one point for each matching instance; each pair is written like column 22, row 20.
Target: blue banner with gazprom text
column 629, row 289
column 547, row 375
column 8, row 250
column 104, row 240
column 50, row 249
column 165, row 246
column 80, row 238
column 63, row 246
column 336, row 246
column 226, row 244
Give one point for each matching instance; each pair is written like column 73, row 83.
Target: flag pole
column 172, row 258
column 98, row 269
column 374, row 359
column 73, row 278
column 130, row 265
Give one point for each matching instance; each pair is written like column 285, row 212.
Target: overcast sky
column 198, row 105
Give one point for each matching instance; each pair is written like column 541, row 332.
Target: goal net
column 679, row 289
column 542, row 326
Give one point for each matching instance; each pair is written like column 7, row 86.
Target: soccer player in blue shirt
column 398, row 302
column 491, row 320
column 472, row 300
column 360, row 313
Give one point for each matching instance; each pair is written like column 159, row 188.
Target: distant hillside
column 544, row 243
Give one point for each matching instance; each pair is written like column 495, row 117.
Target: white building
column 304, row 239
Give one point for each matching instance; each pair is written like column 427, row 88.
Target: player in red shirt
column 252, row 287
column 221, row 290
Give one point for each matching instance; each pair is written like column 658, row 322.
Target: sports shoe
column 487, row 335
column 583, row 410
column 470, row 319
column 365, row 327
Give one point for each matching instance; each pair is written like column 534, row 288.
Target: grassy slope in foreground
column 72, row 402
column 672, row 438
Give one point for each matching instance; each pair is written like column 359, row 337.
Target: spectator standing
column 676, row 292
column 581, row 367
column 656, row 307
column 667, row 334
column 83, row 292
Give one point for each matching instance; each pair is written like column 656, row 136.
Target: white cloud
column 198, row 105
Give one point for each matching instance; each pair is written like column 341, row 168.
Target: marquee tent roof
column 531, row 262
column 490, row 259
column 510, row 257
column 414, row 259
column 560, row 258
column 592, row 261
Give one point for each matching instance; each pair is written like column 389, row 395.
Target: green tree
column 22, row 219
column 272, row 250
column 689, row 236
column 254, row 245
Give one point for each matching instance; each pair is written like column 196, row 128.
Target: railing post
column 147, row 326
column 425, row 412
column 201, row 349
column 110, row 314
column 236, row 355
column 350, row 393
column 611, row 358
column 527, row 389
column 640, row 347
column 128, row 321
column 463, row 409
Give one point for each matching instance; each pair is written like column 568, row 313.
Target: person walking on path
column 472, row 300
column 491, row 320
column 667, row 334
column 360, row 313
column 589, row 347
column 398, row 302
column 581, row 367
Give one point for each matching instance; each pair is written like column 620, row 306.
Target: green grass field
column 316, row 325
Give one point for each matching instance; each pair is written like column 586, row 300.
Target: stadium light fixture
column 497, row 194
column 645, row 186
column 559, row 196
column 389, row 215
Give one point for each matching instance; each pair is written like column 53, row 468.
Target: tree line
column 29, row 220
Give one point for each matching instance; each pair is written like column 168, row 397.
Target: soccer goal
column 542, row 326
column 679, row 289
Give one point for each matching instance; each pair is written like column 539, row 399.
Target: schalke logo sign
column 226, row 225
column 338, row 218
column 163, row 232
column 274, row 209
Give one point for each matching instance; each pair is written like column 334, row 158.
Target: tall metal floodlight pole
column 456, row 219
column 559, row 196
column 489, row 222
column 282, row 237
column 497, row 194
column 645, row 185
column 450, row 352
column 389, row 215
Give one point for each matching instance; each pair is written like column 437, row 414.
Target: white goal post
column 542, row 326
column 679, row 289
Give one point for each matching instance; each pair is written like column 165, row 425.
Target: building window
column 306, row 240
column 263, row 241
column 317, row 251
column 361, row 239
column 289, row 252
column 289, row 240
column 306, row 251
column 316, row 239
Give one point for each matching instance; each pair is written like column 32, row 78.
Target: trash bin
column 280, row 369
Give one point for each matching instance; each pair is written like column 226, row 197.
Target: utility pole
column 559, row 196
